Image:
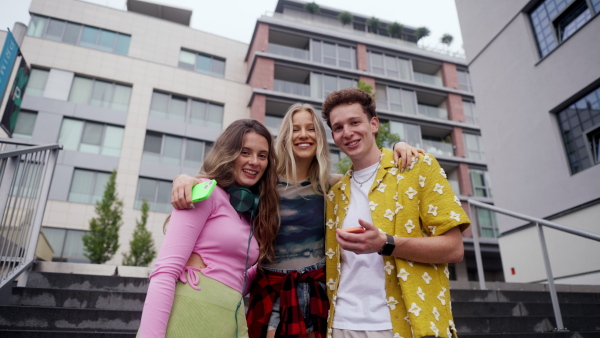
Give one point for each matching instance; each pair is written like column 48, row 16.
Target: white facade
column 520, row 94
column 150, row 64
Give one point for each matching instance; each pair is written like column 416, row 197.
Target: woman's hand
column 405, row 151
column 181, row 194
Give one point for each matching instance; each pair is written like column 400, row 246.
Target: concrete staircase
column 106, row 301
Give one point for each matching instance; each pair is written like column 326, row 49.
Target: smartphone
column 203, row 190
column 355, row 230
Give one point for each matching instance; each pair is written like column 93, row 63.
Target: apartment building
column 140, row 92
column 536, row 76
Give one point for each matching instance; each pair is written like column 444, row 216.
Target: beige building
column 144, row 94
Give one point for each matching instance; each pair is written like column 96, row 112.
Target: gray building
column 535, row 69
column 142, row 93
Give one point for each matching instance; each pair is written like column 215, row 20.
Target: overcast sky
column 235, row 19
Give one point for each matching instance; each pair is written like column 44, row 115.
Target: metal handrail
column 25, row 176
column 539, row 224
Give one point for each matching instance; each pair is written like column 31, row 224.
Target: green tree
column 346, row 18
column 421, row 32
column 447, row 39
column 385, row 138
column 395, row 29
column 141, row 247
column 312, row 8
column 373, row 24
column 102, row 241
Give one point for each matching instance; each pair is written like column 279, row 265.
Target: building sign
column 13, row 105
column 7, row 61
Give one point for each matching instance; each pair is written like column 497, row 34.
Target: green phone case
column 203, row 190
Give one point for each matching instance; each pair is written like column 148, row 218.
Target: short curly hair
column 349, row 96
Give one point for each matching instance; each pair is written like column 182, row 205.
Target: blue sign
column 7, row 60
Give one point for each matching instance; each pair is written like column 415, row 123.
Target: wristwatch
column 388, row 247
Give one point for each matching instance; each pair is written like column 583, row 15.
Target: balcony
column 438, row 148
column 434, row 112
column 428, row 79
column 292, row 52
column 291, row 87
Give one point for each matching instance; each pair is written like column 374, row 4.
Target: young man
column 392, row 279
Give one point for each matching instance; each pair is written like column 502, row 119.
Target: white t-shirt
column 361, row 303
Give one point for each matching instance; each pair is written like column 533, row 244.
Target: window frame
column 103, row 138
column 182, row 150
column 106, row 104
column 114, row 48
column 90, row 198
column 212, row 58
column 187, row 118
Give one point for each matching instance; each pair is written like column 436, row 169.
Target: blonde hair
column 318, row 172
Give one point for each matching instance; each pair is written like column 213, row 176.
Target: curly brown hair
column 349, row 96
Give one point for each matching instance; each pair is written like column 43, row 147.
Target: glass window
column 333, row 54
column 122, row 45
column 72, row 31
column 481, row 183
column 159, row 105
column 376, row 63
column 107, row 40
column 396, row 99
column 474, row 147
column 25, row 125
column 81, row 90
column 202, row 63
column 409, row 133
column 55, row 30
column 156, row 192
column 37, row 26
column 469, row 111
column 173, row 150
column 177, row 109
column 194, row 153
column 87, row 186
column 389, row 65
column 555, row 20
column 37, row 82
column 464, row 80
column 100, row 93
column 488, row 223
column 579, row 125
column 214, row 118
column 70, row 134
column 89, row 37
column 91, row 137
column 67, row 244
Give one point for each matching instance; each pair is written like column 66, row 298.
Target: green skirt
column 206, row 313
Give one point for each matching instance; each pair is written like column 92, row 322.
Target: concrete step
column 522, row 309
column 51, row 280
column 83, row 320
column 522, row 296
column 567, row 334
column 80, row 299
column 523, row 325
column 64, row 334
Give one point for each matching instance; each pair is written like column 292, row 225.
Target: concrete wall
column 515, row 93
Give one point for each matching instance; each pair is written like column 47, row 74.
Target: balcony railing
column 428, row 79
column 435, row 112
column 292, row 52
column 291, row 87
column 438, row 148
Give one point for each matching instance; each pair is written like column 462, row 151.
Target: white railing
column 25, row 174
column 540, row 224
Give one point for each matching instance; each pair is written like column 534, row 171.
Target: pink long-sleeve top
column 213, row 230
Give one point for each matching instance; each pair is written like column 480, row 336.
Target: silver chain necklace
column 361, row 183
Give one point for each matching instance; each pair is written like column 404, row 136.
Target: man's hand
column 406, row 152
column 181, row 195
column 372, row 240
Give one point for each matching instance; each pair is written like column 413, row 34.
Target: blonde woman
column 288, row 296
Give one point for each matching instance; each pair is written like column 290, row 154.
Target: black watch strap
column 388, row 247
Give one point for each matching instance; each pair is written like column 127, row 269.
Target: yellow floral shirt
column 416, row 203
